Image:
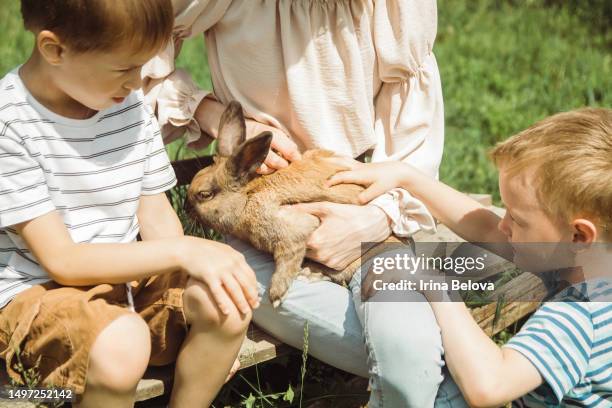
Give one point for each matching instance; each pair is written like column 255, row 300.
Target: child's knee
column 120, row 354
column 201, row 310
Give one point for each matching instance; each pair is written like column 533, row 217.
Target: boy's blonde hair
column 571, row 156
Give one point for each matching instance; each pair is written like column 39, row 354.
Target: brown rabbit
column 232, row 198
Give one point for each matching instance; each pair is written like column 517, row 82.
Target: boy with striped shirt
column 556, row 186
column 83, row 172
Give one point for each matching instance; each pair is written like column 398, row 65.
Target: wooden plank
column 149, row 388
column 528, row 287
column 155, row 382
column 259, row 347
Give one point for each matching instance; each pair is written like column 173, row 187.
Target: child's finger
column 223, row 301
column 236, row 294
column 249, row 274
column 247, row 279
column 249, row 288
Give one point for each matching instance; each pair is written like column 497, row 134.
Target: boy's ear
column 50, row 47
column 585, row 232
column 232, row 129
column 243, row 164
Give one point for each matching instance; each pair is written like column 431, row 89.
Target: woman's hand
column 224, row 270
column 378, row 178
column 337, row 241
column 282, row 151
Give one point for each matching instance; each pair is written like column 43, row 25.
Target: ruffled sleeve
column 172, row 93
column 409, row 123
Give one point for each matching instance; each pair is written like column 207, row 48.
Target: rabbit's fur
column 232, row 198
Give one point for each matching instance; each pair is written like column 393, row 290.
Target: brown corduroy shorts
column 59, row 325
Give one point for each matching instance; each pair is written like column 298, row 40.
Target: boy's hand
column 224, row 270
column 282, row 151
column 378, row 178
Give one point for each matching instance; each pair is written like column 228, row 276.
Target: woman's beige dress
column 343, row 75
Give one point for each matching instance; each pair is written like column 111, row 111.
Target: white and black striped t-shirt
column 91, row 171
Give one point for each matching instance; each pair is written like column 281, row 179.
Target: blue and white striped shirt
column 570, row 343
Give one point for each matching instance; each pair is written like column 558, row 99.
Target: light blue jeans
column 397, row 345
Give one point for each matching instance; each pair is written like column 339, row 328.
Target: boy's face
column 99, row 79
column 525, row 220
column 534, row 236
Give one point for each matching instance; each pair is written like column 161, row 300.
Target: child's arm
column 157, row 218
column 487, row 375
column 223, row 269
column 465, row 216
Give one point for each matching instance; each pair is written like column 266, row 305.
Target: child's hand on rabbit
column 378, row 178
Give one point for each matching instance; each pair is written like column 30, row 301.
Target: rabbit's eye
column 204, row 195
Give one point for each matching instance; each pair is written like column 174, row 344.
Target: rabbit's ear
column 232, row 129
column 248, row 157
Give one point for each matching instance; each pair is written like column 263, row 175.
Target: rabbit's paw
column 279, row 286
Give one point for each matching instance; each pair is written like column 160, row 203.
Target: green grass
column 15, row 44
column 503, row 68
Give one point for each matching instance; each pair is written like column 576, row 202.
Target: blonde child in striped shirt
column 555, row 183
